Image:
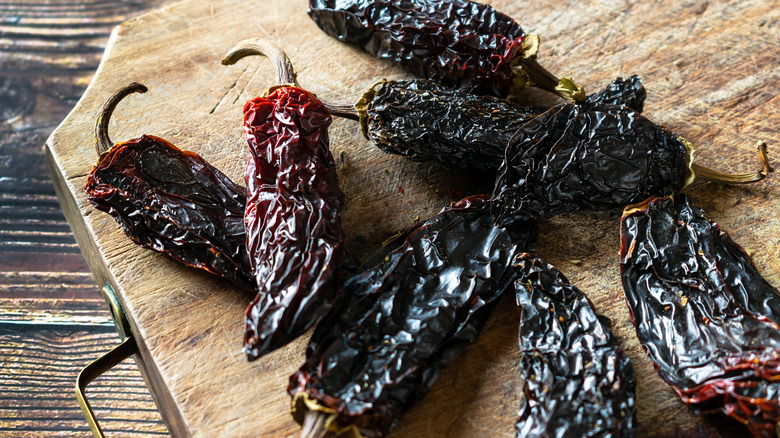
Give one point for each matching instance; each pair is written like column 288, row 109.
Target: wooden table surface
column 53, row 319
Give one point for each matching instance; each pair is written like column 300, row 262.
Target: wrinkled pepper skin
column 703, row 313
column 294, row 236
column 174, row 202
column 577, row 381
column 403, row 321
column 425, row 121
column 460, row 44
column 593, row 157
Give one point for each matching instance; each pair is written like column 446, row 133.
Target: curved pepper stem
column 710, row 175
column 285, row 73
column 102, row 142
column 258, row 46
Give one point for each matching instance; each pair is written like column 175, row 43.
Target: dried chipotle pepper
column 702, row 311
column 577, row 381
column 293, row 226
column 170, row 201
column 425, row 121
column 404, row 320
column 583, row 156
column 460, row 44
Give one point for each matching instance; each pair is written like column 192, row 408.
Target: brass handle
column 127, row 348
column 93, row 371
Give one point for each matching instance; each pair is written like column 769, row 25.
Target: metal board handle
column 127, row 348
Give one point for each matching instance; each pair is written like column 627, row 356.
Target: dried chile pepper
column 702, row 311
column 460, row 44
column 294, row 236
column 169, row 200
column 425, row 121
column 577, row 381
column 404, row 320
column 583, row 156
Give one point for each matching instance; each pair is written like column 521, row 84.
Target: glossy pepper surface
column 595, row 157
column 425, row 121
column 702, row 311
column 171, row 201
column 577, row 380
column 292, row 219
column 404, row 320
column 460, row 44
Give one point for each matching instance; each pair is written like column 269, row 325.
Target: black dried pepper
column 460, row 44
column 701, row 309
column 425, row 121
column 577, row 381
column 404, row 320
column 582, row 156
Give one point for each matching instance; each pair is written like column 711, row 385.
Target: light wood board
column 711, row 73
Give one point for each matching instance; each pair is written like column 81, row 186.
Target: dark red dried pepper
column 583, row 156
column 577, row 381
column 402, row 322
column 706, row 317
column 294, row 236
column 170, row 201
column 460, row 44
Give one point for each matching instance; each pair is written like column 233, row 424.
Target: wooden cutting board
column 711, row 71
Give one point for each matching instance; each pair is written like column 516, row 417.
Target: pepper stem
column 741, row 178
column 314, row 424
column 102, row 142
column 258, row 46
column 526, row 68
column 341, row 109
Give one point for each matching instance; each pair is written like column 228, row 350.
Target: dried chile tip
column 710, row 175
column 258, row 46
column 103, row 142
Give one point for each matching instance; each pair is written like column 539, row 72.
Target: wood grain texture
column 40, row 363
column 711, row 73
column 53, row 319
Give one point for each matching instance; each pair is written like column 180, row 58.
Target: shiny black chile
column 702, row 311
column 460, row 44
column 577, row 381
column 406, row 319
column 425, row 121
column 581, row 156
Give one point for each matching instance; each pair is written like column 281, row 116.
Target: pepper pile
column 385, row 331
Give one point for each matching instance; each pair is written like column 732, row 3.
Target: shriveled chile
column 401, row 322
column 701, row 309
column 577, row 381
column 596, row 157
column 460, row 44
column 294, row 236
column 425, row 121
column 170, row 201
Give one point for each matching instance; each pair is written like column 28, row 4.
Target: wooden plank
column 710, row 70
column 40, row 365
column 53, row 319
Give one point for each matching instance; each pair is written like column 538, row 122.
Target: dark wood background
column 53, row 320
